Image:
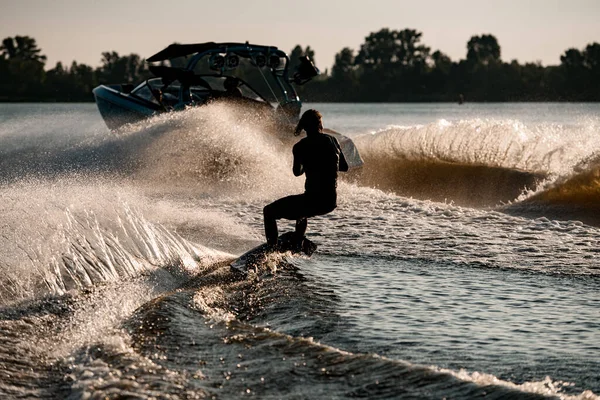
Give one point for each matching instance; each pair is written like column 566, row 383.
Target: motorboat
column 192, row 75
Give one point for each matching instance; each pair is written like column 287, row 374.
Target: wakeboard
column 254, row 258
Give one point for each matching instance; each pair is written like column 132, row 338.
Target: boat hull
column 118, row 109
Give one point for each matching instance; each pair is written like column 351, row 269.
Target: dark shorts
column 301, row 206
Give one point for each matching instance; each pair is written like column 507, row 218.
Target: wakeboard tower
column 253, row 259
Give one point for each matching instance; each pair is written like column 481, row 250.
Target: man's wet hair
column 310, row 119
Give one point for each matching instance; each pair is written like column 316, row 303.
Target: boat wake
column 100, row 239
column 115, row 251
column 218, row 148
column 477, row 163
column 207, row 336
column 572, row 197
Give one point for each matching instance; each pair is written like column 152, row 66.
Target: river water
column 462, row 260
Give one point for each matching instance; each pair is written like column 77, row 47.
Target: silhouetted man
column 320, row 157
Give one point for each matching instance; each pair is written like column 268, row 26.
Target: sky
column 80, row 30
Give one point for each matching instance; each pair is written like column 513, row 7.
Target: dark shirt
column 320, row 157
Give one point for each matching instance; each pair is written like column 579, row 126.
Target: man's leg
column 290, row 207
column 270, row 225
column 301, row 225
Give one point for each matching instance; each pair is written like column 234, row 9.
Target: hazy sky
column 527, row 30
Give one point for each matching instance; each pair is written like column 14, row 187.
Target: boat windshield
column 152, row 89
column 144, row 91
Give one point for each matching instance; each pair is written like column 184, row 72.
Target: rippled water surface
column 461, row 262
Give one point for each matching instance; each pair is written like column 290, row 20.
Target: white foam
column 550, row 148
column 547, row 386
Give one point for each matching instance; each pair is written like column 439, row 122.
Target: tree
column 57, row 83
column 379, row 49
column 8, row 48
column 581, row 71
column 22, row 68
column 482, row 71
column 387, row 47
column 439, row 77
column 70, row 84
column 572, row 59
column 126, row 69
column 575, row 83
column 441, row 62
column 392, row 65
column 483, row 50
column 344, row 63
column 591, row 57
column 411, row 53
column 23, row 48
column 344, row 82
column 84, row 77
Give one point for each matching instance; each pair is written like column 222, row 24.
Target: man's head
column 311, row 121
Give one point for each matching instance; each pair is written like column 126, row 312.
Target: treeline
column 390, row 66
column 394, row 66
column 23, row 77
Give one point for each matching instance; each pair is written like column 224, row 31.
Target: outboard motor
column 305, row 71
